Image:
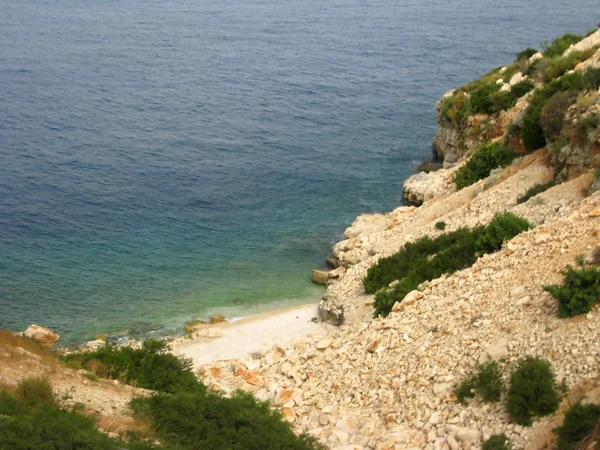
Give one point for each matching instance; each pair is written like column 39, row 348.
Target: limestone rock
column 331, row 313
column 320, row 276
column 516, row 78
column 496, row 351
column 323, row 344
column 43, row 335
column 253, row 378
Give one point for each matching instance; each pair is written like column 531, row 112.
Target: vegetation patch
column 558, row 46
column 579, row 290
column 150, row 367
column 532, row 391
column 441, row 225
column 427, row 259
column 487, row 383
column 34, row 390
column 183, row 413
column 535, row 190
column 483, row 161
column 531, row 132
column 580, row 421
column 38, row 423
column 497, row 442
column 204, row 419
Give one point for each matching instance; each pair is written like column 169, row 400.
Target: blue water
column 164, row 160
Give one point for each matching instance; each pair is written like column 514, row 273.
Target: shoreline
column 256, row 333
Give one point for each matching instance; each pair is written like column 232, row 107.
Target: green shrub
column 456, row 107
column 579, row 290
column 527, row 53
column 483, row 161
column 560, row 44
column 522, row 88
column 497, row 442
column 480, row 98
column 504, row 226
column 579, row 422
column 204, row 419
column 441, row 225
column 589, row 122
column 91, row 376
column 535, row 190
column 150, row 367
column 43, row 425
column 531, row 131
column 488, row 383
column 35, row 389
column 465, row 389
column 427, row 259
column 553, row 114
column 532, row 391
column 559, row 66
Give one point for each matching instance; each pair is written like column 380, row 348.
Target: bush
column 579, row 422
column 150, row 367
column 427, row 259
column 531, row 131
column 504, row 226
column 483, row 161
column 35, row 389
column 522, row 88
column 553, row 114
column 204, row 419
column 560, row 44
column 532, row 391
column 535, row 190
column 465, row 389
column 42, row 425
column 579, row 290
column 487, row 383
column 480, row 98
column 440, row 225
column 496, row 442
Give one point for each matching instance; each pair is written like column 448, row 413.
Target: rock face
column 43, row 335
column 330, row 313
column 445, row 143
column 423, row 186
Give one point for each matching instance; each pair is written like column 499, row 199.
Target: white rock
column 467, row 434
column 516, row 78
column 496, row 351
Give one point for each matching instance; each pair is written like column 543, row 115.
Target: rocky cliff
column 388, row 382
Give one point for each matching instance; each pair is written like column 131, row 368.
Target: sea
column 162, row 161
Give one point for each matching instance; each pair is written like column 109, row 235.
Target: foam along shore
column 252, row 334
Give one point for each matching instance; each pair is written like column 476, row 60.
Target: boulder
column 95, row 344
column 516, row 78
column 323, row 344
column 533, row 58
column 253, row 378
column 320, row 276
column 43, row 335
column 331, row 314
column 496, row 351
column 367, row 223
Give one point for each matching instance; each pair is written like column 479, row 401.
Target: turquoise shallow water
column 164, row 160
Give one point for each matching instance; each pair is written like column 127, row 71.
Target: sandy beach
column 256, row 333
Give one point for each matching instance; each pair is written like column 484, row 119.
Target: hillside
column 388, row 383
column 524, row 140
